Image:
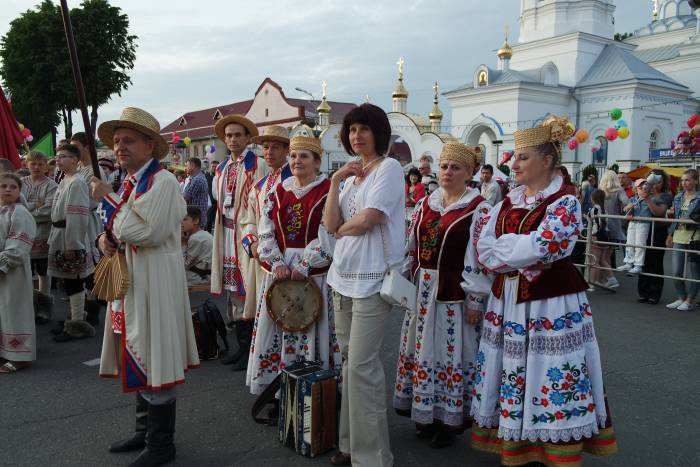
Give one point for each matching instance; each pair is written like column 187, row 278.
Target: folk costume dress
column 538, row 394
column 438, row 348
column 44, row 193
column 232, row 268
column 70, row 217
column 95, row 227
column 149, row 339
column 17, row 331
column 289, row 236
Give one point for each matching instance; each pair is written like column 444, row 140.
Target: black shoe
column 235, row 356
column 426, row 431
column 58, row 329
column 443, row 438
column 643, row 300
column 653, row 301
column 65, row 337
column 159, row 437
column 138, row 440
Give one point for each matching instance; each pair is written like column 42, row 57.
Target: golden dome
column 436, row 113
column 323, row 107
column 400, row 90
column 505, row 52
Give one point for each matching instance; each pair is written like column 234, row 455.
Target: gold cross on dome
column 400, row 63
column 324, row 86
column 436, row 88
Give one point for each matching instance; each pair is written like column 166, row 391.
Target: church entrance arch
column 484, row 136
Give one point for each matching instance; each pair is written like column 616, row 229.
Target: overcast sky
column 198, row 54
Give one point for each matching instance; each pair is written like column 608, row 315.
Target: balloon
column 691, row 121
column 187, row 141
column 212, row 149
column 26, row 132
column 573, row 143
column 176, row 138
column 571, row 127
column 620, row 124
column 21, row 127
column 506, row 157
column 611, row 134
column 615, row 113
column 623, row 132
column 30, row 138
column 581, row 136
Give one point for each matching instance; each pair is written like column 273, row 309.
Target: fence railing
column 590, row 261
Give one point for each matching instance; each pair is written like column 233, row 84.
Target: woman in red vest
column 539, row 387
column 440, row 339
column 289, row 247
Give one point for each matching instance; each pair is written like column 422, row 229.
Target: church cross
column 400, row 63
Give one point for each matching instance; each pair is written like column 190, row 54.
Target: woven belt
column 59, row 224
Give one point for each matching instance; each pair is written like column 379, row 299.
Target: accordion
column 308, row 418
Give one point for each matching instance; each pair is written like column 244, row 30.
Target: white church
column 567, row 62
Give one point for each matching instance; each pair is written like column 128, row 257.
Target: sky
column 193, row 55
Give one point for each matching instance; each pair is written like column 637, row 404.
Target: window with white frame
column 654, row 140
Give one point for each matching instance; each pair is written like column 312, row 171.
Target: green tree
column 36, row 65
column 619, row 37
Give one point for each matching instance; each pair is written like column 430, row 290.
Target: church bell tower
column 543, row 19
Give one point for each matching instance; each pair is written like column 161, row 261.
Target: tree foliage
column 619, row 37
column 36, row 65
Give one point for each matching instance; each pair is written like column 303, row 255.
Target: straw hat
column 306, row 143
column 272, row 133
column 220, row 126
column 461, row 153
column 553, row 130
column 139, row 120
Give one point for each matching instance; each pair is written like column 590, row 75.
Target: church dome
column 323, row 107
column 400, row 90
column 505, row 52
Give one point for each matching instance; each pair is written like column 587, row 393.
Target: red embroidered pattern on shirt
column 21, row 236
column 76, row 209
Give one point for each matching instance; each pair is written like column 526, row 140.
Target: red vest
column 561, row 279
column 448, row 233
column 297, row 220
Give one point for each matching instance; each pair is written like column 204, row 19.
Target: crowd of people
column 500, row 339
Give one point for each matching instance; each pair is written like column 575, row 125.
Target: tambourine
column 294, row 305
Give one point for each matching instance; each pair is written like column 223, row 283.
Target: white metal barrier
column 590, row 259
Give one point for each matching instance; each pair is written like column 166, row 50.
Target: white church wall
column 541, row 19
column 685, row 70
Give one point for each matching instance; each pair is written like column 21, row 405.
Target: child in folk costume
column 538, row 394
column 275, row 145
column 17, row 230
column 39, row 191
column 149, row 341
column 70, row 245
column 290, row 248
column 197, row 245
column 440, row 339
column 233, row 270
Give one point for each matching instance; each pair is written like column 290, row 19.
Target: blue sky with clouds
column 198, row 54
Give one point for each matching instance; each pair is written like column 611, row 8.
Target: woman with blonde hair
column 615, row 200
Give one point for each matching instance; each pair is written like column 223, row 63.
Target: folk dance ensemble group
column 500, row 340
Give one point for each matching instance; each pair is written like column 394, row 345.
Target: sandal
column 8, row 367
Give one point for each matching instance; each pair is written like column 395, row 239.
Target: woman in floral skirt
column 538, row 394
column 439, row 340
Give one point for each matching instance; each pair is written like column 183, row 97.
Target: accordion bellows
column 111, row 277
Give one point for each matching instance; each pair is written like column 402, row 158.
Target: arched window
column 654, row 140
column 600, row 151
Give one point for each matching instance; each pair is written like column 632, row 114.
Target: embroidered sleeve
column 553, row 240
column 487, row 243
column 43, row 212
column 19, row 239
column 476, row 280
column 154, row 217
column 409, row 261
column 77, row 215
column 268, row 250
column 315, row 256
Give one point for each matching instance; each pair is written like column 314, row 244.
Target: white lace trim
column 435, row 201
column 484, row 421
column 517, row 194
column 289, row 185
column 554, row 436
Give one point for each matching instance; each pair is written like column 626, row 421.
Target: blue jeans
column 686, row 290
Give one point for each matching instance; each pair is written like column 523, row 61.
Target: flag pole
column 79, row 88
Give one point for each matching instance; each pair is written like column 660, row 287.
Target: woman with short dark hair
column 367, row 217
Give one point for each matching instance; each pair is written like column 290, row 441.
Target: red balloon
column 693, row 120
column 611, row 134
column 573, row 143
column 26, row 132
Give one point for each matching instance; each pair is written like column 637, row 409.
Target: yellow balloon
column 187, row 141
column 21, row 127
column 623, row 132
column 571, row 127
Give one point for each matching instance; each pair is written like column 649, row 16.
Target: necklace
column 444, row 199
column 364, row 167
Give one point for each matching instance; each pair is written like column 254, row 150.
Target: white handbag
column 396, row 290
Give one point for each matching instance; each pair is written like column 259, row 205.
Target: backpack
column 208, row 323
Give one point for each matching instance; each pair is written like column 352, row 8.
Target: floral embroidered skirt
column 538, row 394
column 437, row 351
column 272, row 348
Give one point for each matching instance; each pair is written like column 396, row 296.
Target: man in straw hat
column 275, row 144
column 232, row 269
column 150, row 333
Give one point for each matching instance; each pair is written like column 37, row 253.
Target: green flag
column 45, row 145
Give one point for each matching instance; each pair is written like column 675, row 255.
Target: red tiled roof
column 200, row 123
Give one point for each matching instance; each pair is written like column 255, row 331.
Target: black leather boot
column 93, row 308
column 244, row 340
column 159, row 436
column 232, row 358
column 138, row 440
